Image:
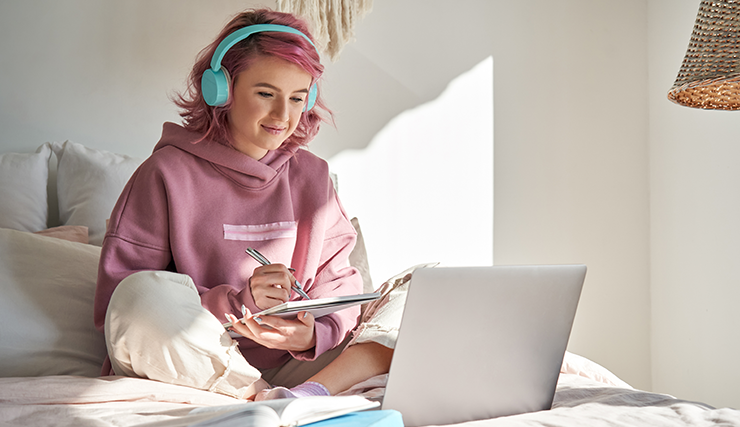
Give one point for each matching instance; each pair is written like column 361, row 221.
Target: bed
column 53, row 209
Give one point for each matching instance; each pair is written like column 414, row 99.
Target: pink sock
column 308, row 388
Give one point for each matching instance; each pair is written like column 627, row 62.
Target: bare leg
column 355, row 364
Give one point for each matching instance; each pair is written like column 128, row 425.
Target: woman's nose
column 280, row 110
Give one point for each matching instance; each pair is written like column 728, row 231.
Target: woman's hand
column 271, row 285
column 276, row 332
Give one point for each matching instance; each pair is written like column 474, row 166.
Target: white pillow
column 89, row 182
column 46, row 310
column 23, row 178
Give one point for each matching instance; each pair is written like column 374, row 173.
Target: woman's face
column 269, row 98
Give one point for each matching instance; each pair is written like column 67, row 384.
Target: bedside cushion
column 46, row 310
column 89, row 182
column 23, row 191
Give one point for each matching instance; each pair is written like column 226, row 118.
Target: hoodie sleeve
column 332, row 329
column 136, row 239
column 334, row 277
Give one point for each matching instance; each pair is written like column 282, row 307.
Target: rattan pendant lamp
column 709, row 77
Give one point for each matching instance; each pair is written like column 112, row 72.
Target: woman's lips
column 274, row 130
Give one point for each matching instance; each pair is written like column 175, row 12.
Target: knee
column 146, row 290
column 149, row 300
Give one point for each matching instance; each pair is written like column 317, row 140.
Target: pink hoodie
column 195, row 208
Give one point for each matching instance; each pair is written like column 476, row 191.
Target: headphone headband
column 245, row 32
column 215, row 80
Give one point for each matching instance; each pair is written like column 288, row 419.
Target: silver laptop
column 481, row 342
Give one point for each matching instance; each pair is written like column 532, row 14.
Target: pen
column 264, row 261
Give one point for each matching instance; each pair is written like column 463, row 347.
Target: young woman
column 233, row 176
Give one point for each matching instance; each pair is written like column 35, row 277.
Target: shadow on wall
column 423, row 188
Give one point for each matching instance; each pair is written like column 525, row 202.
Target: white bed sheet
column 119, row 401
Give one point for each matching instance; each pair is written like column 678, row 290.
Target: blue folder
column 378, row 418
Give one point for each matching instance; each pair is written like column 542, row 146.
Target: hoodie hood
column 236, row 165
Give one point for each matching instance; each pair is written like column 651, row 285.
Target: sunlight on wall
column 423, row 188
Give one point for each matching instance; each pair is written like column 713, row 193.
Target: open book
column 318, row 307
column 279, row 412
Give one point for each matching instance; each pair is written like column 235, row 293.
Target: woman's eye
column 264, row 94
column 297, row 99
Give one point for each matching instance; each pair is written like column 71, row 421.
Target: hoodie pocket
column 261, row 232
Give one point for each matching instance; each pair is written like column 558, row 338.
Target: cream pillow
column 358, row 258
column 23, row 204
column 89, row 182
column 46, row 310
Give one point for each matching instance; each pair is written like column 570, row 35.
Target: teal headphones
column 215, row 81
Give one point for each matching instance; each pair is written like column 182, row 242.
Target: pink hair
column 213, row 122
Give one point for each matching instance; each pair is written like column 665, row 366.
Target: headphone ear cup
column 214, row 85
column 313, row 93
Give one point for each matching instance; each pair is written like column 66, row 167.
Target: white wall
column 571, row 162
column 570, row 169
column 423, row 187
column 571, row 117
column 98, row 72
column 695, row 227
